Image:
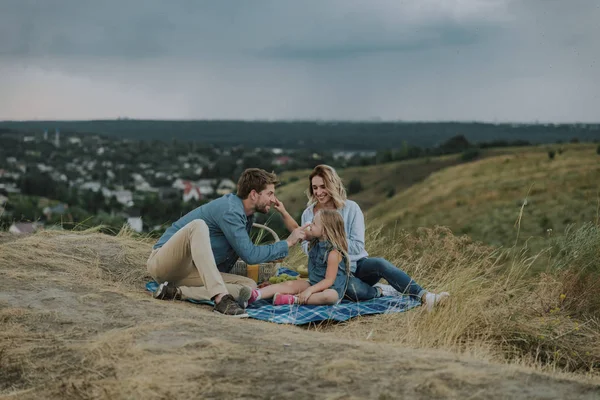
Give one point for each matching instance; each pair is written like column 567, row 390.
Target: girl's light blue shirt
column 354, row 224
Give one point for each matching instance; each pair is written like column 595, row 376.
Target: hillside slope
column 483, row 198
column 377, row 181
column 76, row 323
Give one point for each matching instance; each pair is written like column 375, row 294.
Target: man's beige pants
column 187, row 261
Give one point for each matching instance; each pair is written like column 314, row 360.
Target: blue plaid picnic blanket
column 304, row 314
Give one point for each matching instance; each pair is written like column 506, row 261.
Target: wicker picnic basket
column 265, row 270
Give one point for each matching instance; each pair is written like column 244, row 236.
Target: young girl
column 328, row 267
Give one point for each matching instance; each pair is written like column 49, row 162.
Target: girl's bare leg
column 326, row 297
column 289, row 287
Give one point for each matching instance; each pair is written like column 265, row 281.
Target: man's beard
column 261, row 208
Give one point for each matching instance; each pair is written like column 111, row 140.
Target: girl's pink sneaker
column 283, row 299
column 253, row 296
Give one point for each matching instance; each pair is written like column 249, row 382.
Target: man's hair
column 254, row 179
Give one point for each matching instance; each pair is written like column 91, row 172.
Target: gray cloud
column 415, row 59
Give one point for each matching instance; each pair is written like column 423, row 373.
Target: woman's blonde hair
column 333, row 184
column 334, row 232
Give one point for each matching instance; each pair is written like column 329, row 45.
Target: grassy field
column 378, row 181
column 522, row 322
column 485, row 198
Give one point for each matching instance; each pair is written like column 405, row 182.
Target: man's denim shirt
column 229, row 229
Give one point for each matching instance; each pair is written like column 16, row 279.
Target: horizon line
column 304, row 120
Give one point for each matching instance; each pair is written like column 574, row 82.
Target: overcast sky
column 485, row 60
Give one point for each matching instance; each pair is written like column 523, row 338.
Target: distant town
column 53, row 180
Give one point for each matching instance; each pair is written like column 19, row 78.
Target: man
column 193, row 256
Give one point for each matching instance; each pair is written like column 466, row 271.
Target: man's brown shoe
column 166, row 291
column 228, row 306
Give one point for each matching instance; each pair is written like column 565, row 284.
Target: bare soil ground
column 73, row 326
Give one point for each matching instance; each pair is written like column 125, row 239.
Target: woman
column 326, row 192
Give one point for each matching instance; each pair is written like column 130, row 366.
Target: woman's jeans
column 370, row 270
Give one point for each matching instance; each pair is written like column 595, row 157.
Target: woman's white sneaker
column 387, row 290
column 433, row 300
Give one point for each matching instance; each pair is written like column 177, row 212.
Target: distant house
column 44, row 168
column 93, row 186
column 226, row 186
column 106, row 192
column 283, row 160
column 203, row 187
column 191, row 192
column 59, row 209
column 346, row 155
column 138, row 178
column 179, row 183
column 57, row 176
column 145, row 187
column 9, row 188
column 134, row 220
column 124, row 197
column 21, row 228
column 206, row 186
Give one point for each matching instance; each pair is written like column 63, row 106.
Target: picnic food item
column 264, row 284
column 252, row 272
column 265, row 270
column 303, row 271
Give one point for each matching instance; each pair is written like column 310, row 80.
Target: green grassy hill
column 484, row 198
column 378, row 181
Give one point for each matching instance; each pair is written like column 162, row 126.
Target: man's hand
column 278, row 205
column 303, row 297
column 307, row 232
column 297, row 235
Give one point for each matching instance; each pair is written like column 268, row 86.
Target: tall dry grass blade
column 598, row 208
column 518, row 222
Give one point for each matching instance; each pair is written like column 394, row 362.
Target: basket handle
column 272, row 232
column 266, row 228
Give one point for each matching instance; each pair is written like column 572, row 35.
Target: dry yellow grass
column 76, row 323
column 501, row 310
